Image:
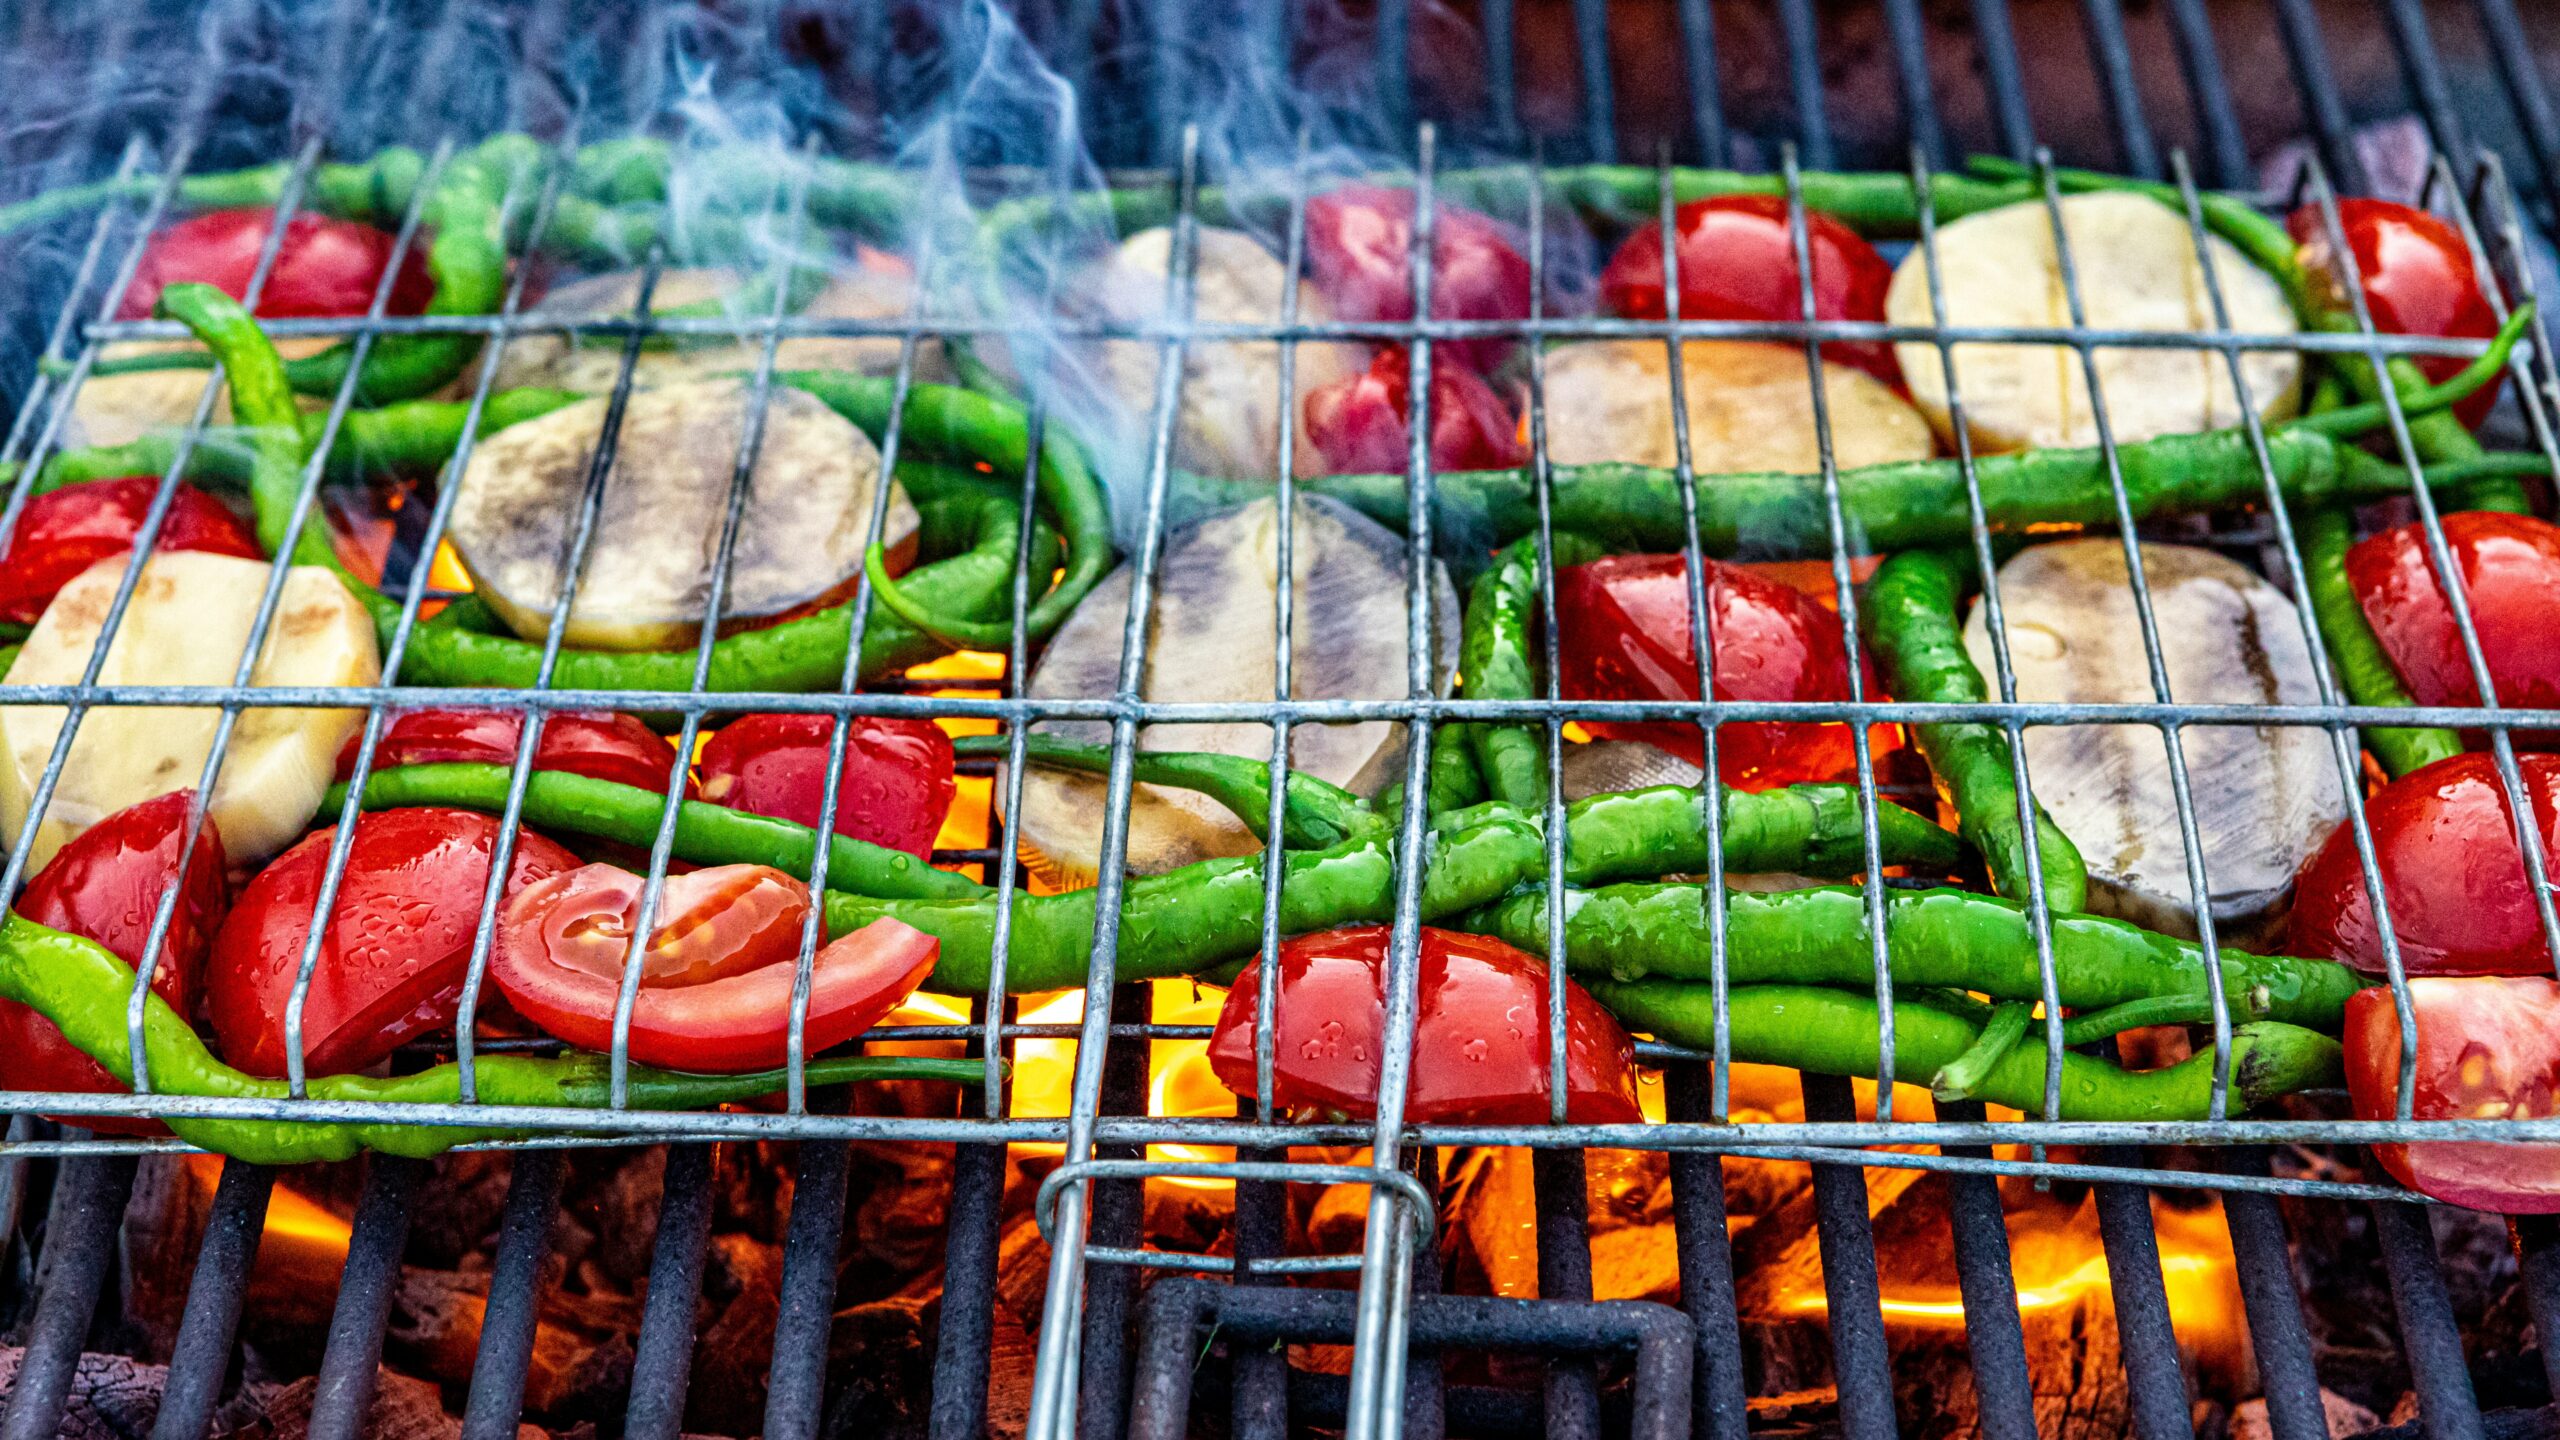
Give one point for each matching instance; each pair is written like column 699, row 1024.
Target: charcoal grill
column 1109, row 1362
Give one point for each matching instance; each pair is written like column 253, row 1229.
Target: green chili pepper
column 2004, row 1024
column 1318, row 815
column 1910, row 622
column 2355, row 652
column 706, row 834
column 1805, row 829
column 83, row 989
column 1959, row 1078
column 1834, row 1032
column 1494, row 664
column 1946, row 938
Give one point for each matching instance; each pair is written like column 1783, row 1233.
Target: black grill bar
column 2269, row 1295
column 2447, row 1410
column 2537, row 1242
column 2155, row 1380
column 1557, row 1180
column 662, row 1356
column 2322, row 104
column 220, row 1285
column 80, row 1251
column 351, row 1365
column 1994, row 1335
column 1853, row 1297
column 515, row 1295
column 1720, row 1410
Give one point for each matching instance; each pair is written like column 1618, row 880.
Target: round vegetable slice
column 2445, row 845
column 392, row 960
column 1750, row 409
column 63, row 532
column 1738, row 262
column 600, row 743
column 716, row 974
column 2488, row 1049
column 897, row 778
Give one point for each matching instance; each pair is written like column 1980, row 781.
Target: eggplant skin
column 1210, row 639
column 648, row 574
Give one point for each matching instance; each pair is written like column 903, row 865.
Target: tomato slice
column 2418, row 280
column 2510, row 568
column 393, row 959
column 597, row 743
column 106, row 885
column 717, row 972
column 1360, row 248
column 1738, row 262
column 65, row 531
column 897, row 779
column 1480, row 1052
column 1362, row 424
column 2488, row 1049
column 324, row 267
column 2445, row 848
column 1626, row 636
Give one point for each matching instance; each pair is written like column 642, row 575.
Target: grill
column 2146, row 93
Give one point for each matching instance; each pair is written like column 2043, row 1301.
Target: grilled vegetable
column 1364, row 422
column 2445, row 845
column 1210, row 640
column 1750, row 409
column 2488, row 1049
column 799, row 543
column 2135, row 265
column 1737, row 261
column 187, row 624
column 1480, row 1047
column 2264, row 796
column 2356, row 656
column 873, row 286
column 716, row 975
column 396, row 945
column 2416, row 277
column 62, row 533
column 1360, row 250
column 602, row 744
column 2510, row 569
column 896, row 780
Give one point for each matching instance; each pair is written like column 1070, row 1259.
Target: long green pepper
column 1494, row 663
column 2355, row 653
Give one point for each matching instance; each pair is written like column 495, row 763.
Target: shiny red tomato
column 2488, row 1049
column 325, row 267
column 716, row 976
column 106, row 885
column 2510, row 567
column 1360, row 247
column 897, row 781
column 1738, row 262
column 1361, row 424
column 1480, row 1051
column 2418, row 280
column 65, row 531
column 596, row 743
column 1626, row 636
column 391, row 965
column 2443, row 842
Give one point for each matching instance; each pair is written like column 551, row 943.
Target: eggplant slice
column 1750, row 409
column 648, row 577
column 1210, row 639
column 864, row 290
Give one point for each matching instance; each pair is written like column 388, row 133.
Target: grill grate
column 1095, row 1375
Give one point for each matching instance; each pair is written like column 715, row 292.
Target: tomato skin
column 2488, row 1048
column 325, row 267
column 1480, row 1051
column 597, row 743
column 2510, row 568
column 2447, row 854
column 716, row 978
column 392, row 965
column 1362, row 424
column 1625, row 636
column 2418, row 280
column 106, row 885
column 65, row 531
column 1360, row 246
column 897, row 785
column 1737, row 262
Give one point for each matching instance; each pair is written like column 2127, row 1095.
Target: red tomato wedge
column 1738, row 262
column 392, row 961
column 2488, row 1049
column 65, row 531
column 1626, row 636
column 1362, row 424
column 106, row 885
column 1480, row 1053
column 596, row 743
column 2446, row 851
column 716, row 975
column 897, row 779
column 2418, row 280
column 2510, row 569
column 1360, row 249
column 324, row 267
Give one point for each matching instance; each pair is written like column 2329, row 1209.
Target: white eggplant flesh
column 1750, row 409
column 648, row 575
column 870, row 288
column 1231, row 409
column 1209, row 638
column 119, row 409
column 2265, row 795
column 187, row 624
column 2137, row 269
